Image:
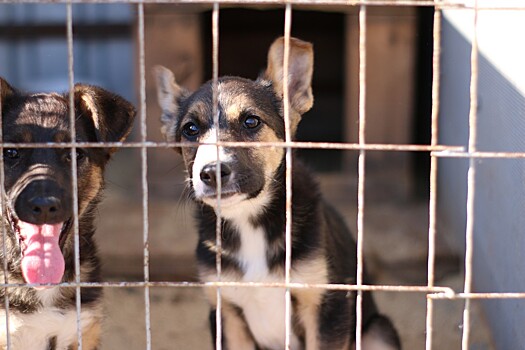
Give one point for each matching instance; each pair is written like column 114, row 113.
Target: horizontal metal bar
column 438, row 293
column 467, row 5
column 477, row 154
column 435, row 292
column 477, row 296
column 305, row 145
column 340, row 287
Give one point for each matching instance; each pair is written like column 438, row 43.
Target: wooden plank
column 390, row 80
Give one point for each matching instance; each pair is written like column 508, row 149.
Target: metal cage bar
column 74, row 173
column 3, row 206
column 432, row 207
column 471, row 180
column 218, row 222
column 361, row 174
column 144, row 172
column 288, row 175
column 447, row 4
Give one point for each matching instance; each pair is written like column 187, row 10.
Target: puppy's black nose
column 43, row 202
column 44, row 209
column 209, row 174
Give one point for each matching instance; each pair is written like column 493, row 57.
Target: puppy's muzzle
column 208, row 174
column 43, row 201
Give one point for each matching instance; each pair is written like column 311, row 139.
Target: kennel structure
column 369, row 87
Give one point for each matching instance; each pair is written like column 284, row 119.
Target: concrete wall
column 499, row 230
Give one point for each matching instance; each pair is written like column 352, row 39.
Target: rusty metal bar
column 448, row 151
column 456, row 296
column 288, row 176
column 432, row 207
column 144, row 171
column 218, row 222
column 361, row 174
column 479, row 154
column 74, row 173
column 3, row 206
column 293, row 285
column 436, row 292
column 471, row 181
column 327, row 3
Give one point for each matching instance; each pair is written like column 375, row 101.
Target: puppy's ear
column 169, row 95
column 111, row 114
column 6, row 91
column 300, row 69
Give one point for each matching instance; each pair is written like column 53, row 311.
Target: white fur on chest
column 263, row 308
column 33, row 331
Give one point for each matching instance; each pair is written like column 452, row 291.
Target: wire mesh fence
column 432, row 290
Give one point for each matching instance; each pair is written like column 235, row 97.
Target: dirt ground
column 395, row 253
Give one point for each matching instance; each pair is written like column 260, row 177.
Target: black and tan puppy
column 252, row 207
column 38, row 210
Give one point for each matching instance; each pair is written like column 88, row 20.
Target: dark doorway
column 423, row 99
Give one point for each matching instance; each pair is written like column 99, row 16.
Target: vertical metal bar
column 218, row 222
column 288, row 174
column 471, row 179
column 432, row 207
column 74, row 175
column 3, row 205
column 144, row 171
column 361, row 173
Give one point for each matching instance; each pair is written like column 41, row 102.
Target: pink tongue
column 42, row 260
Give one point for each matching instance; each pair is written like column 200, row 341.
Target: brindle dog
column 38, row 216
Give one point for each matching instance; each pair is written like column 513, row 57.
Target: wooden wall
column 390, row 77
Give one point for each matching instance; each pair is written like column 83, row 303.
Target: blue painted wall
column 39, row 62
column 499, row 229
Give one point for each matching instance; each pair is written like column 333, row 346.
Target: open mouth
column 42, row 260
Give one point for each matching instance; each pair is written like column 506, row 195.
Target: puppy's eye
column 80, row 154
column 11, row 153
column 251, row 122
column 190, row 130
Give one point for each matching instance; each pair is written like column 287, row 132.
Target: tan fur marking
column 212, row 247
column 235, row 104
column 272, row 156
column 308, row 318
column 93, row 183
column 61, row 136
column 199, row 108
column 92, row 106
column 235, row 329
column 309, row 300
column 90, row 337
column 25, row 135
column 369, row 342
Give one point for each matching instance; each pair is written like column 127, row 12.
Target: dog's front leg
column 336, row 323
column 90, row 337
column 235, row 332
column 309, row 319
